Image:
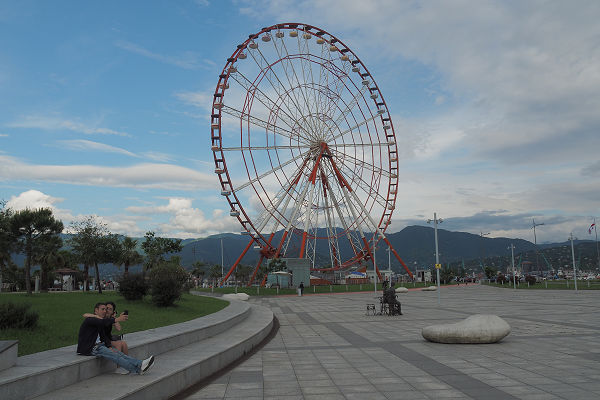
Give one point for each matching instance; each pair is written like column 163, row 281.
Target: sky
column 105, row 108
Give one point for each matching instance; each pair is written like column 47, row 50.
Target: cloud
column 59, row 124
column 32, row 199
column 188, row 60
column 201, row 99
column 94, row 146
column 186, row 221
column 146, row 175
column 519, row 71
column 4, row 135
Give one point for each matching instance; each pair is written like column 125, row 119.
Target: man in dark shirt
column 93, row 341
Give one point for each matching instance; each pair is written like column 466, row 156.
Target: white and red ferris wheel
column 303, row 143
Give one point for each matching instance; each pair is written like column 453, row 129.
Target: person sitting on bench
column 389, row 297
column 93, row 341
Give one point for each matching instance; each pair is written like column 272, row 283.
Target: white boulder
column 479, row 328
column 429, row 289
column 236, row 296
column 401, row 289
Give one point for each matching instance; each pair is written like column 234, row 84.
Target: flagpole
column 597, row 250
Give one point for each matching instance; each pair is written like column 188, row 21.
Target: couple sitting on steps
column 95, row 339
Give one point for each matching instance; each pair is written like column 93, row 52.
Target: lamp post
column 571, row 238
column 436, row 221
column 512, row 261
column 374, row 264
column 222, row 262
column 537, row 257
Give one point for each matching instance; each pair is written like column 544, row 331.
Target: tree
column 6, row 240
column 93, row 244
column 215, row 272
column 156, row 247
column 242, row 273
column 490, row 272
column 48, row 257
column 30, row 229
column 128, row 254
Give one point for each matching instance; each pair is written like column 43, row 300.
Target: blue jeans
column 123, row 360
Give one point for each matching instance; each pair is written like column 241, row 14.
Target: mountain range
column 414, row 244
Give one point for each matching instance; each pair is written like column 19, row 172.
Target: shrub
column 18, row 316
column 133, row 287
column 501, row 279
column 530, row 279
column 166, row 283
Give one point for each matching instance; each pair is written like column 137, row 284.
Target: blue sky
column 104, row 108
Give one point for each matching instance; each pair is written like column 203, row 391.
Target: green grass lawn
column 255, row 291
column 553, row 284
column 61, row 316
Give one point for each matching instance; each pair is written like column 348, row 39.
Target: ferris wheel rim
column 219, row 150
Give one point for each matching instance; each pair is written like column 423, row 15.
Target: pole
column 437, row 256
column 597, row 249
column 573, row 256
column 512, row 260
column 222, row 258
column 374, row 264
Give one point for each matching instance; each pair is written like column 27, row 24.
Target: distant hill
column 414, row 244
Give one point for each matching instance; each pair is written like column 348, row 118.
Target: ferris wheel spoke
column 354, row 102
column 302, row 92
column 274, row 148
column 343, row 157
column 369, row 189
column 269, row 127
column 366, row 121
column 273, row 170
column 375, row 144
column 345, row 226
column 264, row 98
column 278, row 89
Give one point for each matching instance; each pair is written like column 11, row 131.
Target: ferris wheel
column 304, row 148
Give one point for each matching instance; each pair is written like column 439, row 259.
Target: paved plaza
column 327, row 348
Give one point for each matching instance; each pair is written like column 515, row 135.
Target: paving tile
column 327, row 348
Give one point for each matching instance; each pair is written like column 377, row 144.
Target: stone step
column 175, row 370
column 8, row 353
column 47, row 371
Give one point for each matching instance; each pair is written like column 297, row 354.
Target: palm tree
column 215, row 272
column 128, row 255
column 48, row 257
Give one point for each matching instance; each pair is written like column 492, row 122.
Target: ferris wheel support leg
column 262, row 257
column 260, row 260
column 264, row 281
column 372, row 259
column 385, row 239
column 235, row 264
column 303, row 246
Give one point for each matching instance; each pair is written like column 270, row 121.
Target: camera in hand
column 126, row 312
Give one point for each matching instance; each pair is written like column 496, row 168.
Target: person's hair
column 98, row 305
column 114, row 306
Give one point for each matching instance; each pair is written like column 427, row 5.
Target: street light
column 512, row 261
column 482, row 235
column 571, row 238
column 537, row 257
column 436, row 221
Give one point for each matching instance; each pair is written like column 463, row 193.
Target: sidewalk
column 326, row 348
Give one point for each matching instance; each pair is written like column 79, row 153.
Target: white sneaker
column 146, row 365
column 121, row 371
